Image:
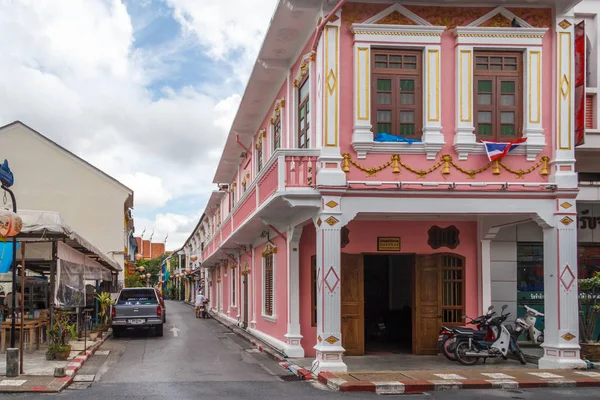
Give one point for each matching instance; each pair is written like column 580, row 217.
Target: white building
column 48, row 177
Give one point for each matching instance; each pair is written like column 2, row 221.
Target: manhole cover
column 84, row 378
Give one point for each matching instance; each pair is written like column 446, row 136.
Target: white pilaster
column 362, row 94
column 330, row 172
column 432, row 124
column 251, row 290
column 563, row 165
column 329, row 336
column 561, row 300
column 293, row 336
column 532, row 98
column 464, row 139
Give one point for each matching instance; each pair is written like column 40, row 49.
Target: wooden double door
column 438, row 298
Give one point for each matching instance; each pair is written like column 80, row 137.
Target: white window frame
column 277, row 112
column 259, row 145
column 303, row 70
column 421, row 36
column 271, row 318
column 527, row 39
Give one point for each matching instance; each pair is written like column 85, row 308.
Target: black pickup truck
column 137, row 308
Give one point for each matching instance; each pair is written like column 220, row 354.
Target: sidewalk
column 39, row 373
column 406, row 382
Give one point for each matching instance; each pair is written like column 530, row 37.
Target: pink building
column 354, row 187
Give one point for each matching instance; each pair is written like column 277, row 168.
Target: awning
column 48, row 225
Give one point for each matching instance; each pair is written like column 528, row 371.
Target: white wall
column 504, row 263
column 49, row 179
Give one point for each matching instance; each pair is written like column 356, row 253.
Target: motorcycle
column 472, row 346
column 447, row 335
column 527, row 324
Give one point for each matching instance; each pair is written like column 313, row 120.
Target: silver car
column 137, row 308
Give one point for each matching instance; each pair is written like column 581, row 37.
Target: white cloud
column 227, row 26
column 148, row 190
column 177, row 226
column 70, row 71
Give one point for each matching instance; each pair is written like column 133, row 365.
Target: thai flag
column 497, row 150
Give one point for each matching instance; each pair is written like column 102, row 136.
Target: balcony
column 288, row 173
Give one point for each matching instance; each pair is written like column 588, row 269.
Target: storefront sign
column 6, row 175
column 588, row 222
column 388, row 244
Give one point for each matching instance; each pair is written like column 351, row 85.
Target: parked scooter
column 447, row 336
column 472, row 346
column 527, row 324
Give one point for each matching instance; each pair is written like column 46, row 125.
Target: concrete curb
column 414, row 387
column 76, row 364
column 264, row 348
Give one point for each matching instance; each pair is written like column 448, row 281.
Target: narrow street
column 201, row 359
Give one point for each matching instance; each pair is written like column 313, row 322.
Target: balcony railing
column 287, row 169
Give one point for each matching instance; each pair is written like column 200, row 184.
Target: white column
column 293, row 336
column 329, row 336
column 330, row 172
column 432, row 107
column 486, row 275
column 561, row 300
column 465, row 139
column 532, row 98
column 251, row 291
column 362, row 96
column 563, row 165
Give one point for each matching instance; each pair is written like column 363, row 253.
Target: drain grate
column 289, row 378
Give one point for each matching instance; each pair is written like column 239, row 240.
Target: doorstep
column 400, row 382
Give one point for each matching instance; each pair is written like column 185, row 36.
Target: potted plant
column 59, row 336
column 589, row 310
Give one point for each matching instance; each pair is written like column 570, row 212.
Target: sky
column 145, row 90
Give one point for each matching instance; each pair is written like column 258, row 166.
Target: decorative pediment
column 500, row 17
column 279, row 105
column 397, row 15
column 397, row 24
column 269, row 249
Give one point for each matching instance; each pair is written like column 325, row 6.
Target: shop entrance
column 397, row 303
column 388, row 303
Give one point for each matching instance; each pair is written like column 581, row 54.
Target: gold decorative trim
column 319, row 222
column 360, row 32
column 567, row 221
column 568, row 336
column 470, row 88
column 332, row 88
column 319, row 338
column 332, row 221
column 261, row 134
column 437, row 85
column 331, row 204
column 303, row 70
column 501, row 35
column 538, row 55
column 567, row 91
column 359, row 117
column 332, row 340
column 566, row 204
column 446, row 162
column 279, row 105
column 564, row 24
column 269, row 249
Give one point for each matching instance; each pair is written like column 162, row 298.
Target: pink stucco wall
column 276, row 329
column 363, row 239
column 439, row 16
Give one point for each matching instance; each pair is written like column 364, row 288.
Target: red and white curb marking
column 297, row 370
column 76, row 364
column 458, row 382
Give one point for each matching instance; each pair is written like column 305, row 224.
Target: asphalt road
column 206, row 361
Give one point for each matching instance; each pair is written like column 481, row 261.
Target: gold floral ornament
column 446, row 162
column 310, row 57
column 262, row 134
column 278, row 107
column 269, row 249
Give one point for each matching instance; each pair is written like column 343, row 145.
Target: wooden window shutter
column 269, row 285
